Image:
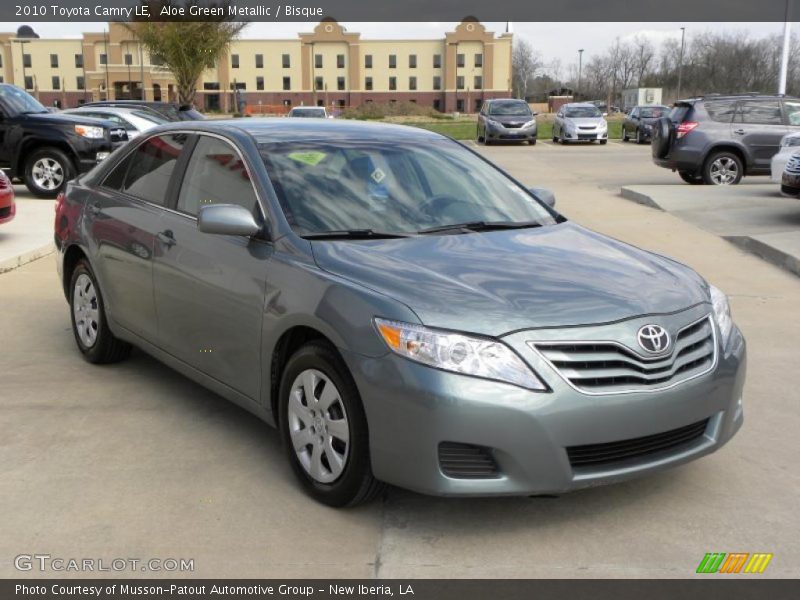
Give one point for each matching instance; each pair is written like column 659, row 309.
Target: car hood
column 511, row 119
column 71, row 119
column 496, row 282
column 594, row 121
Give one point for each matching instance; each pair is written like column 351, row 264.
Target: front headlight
column 459, row 353
column 603, row 125
column 790, row 140
column 531, row 123
column 722, row 314
column 89, row 131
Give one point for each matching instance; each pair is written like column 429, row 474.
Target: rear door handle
column 166, row 237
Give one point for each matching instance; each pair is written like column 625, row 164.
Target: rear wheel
column 324, row 428
column 624, row 135
column 639, row 138
column 89, row 324
column 691, row 178
column 723, row 168
column 480, row 138
column 47, row 171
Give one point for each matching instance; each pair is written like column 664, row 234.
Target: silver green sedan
column 398, row 307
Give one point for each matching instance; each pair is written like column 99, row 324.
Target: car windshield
column 317, row 113
column 653, row 112
column 148, row 116
column 510, row 109
column 392, row 186
column 582, row 112
column 19, row 100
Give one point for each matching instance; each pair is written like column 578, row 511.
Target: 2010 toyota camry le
column 401, row 309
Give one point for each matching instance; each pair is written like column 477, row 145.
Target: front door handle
column 739, row 131
column 166, row 237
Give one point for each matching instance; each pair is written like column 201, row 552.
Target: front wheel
column 47, row 171
column 603, row 142
column 723, row 168
column 639, row 138
column 324, row 428
column 532, row 142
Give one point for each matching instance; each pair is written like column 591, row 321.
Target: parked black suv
column 166, row 110
column 47, row 149
column 718, row 139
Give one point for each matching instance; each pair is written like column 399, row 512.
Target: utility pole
column 787, row 40
column 580, row 72
column 680, row 62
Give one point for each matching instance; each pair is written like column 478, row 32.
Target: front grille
column 512, row 125
column 608, row 367
column 592, row 127
column 465, row 461
column 587, row 136
column 594, row 455
column 793, row 165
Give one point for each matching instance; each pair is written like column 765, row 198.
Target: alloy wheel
column 724, row 171
column 86, row 311
column 318, row 426
column 47, row 173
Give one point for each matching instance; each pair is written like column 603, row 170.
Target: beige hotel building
column 329, row 66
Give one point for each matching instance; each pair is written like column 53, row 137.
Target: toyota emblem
column 653, row 338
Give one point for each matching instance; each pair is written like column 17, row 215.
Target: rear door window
column 759, row 112
column 721, row 111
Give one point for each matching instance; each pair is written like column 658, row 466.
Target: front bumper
column 510, row 134
column 585, row 135
column 8, row 207
column 412, row 409
column 778, row 164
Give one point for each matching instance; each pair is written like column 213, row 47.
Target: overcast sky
column 552, row 40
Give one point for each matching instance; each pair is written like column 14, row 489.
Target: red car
column 7, row 207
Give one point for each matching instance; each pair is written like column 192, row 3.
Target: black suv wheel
column 47, row 171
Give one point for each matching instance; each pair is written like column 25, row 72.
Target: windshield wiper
column 471, row 226
column 353, row 234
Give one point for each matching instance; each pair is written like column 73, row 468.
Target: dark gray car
column 717, row 140
column 401, row 309
column 506, row 120
column 638, row 123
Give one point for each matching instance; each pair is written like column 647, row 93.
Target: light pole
column 787, row 40
column 580, row 72
column 680, row 62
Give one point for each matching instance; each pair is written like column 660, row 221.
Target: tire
column 625, row 135
column 723, row 168
column 691, row 178
column 47, row 171
column 347, row 481
column 663, row 134
column 89, row 325
column 603, row 142
column 480, row 138
column 531, row 142
column 639, row 138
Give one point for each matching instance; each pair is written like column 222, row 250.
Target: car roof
column 111, row 109
column 308, row 108
column 490, row 100
column 266, row 130
column 580, row 104
column 737, row 97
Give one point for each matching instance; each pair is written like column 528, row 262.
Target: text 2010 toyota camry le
column 401, row 309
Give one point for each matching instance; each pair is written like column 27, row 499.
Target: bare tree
column 525, row 62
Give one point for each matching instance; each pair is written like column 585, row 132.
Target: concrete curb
column 26, row 257
column 639, row 198
column 765, row 251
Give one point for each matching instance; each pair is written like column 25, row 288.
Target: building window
column 368, row 61
column 260, row 83
column 368, row 84
column 259, row 61
column 340, row 83
column 129, row 59
column 460, row 82
column 234, row 61
column 287, row 61
column 26, row 61
column 79, row 61
column 56, row 81
column 437, row 61
column 287, row 83
column 478, row 82
column 437, row 82
column 437, row 105
column 479, row 60
column 460, row 105
column 412, row 83
column 459, row 60
column 28, row 82
column 392, row 61
column 412, row 61
column 340, row 61
column 1, row 79
column 80, row 83
column 318, row 61
column 318, row 83
column 478, row 104
column 392, row 83
column 54, row 61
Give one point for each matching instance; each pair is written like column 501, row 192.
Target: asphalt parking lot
column 133, row 460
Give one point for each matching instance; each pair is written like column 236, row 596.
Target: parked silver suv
column 719, row 139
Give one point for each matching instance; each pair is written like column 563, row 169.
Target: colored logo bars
column 735, row 562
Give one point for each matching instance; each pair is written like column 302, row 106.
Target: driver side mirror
column 226, row 219
column 605, row 114
column 545, row 195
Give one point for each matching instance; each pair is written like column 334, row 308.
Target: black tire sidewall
column 56, row 154
column 98, row 351
column 663, row 132
column 347, row 488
